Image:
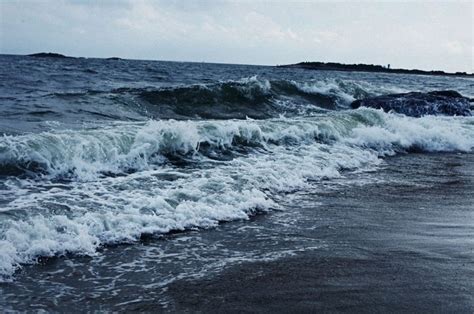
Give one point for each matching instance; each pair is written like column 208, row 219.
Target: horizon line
column 230, row 63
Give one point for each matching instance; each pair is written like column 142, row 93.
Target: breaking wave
column 128, row 147
column 253, row 97
column 156, row 196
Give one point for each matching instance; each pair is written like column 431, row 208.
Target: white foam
column 54, row 219
column 248, row 83
column 345, row 91
column 326, row 88
column 428, row 134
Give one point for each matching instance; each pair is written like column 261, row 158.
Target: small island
column 54, row 55
column 334, row 66
column 48, row 55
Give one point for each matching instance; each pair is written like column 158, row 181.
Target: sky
column 407, row 34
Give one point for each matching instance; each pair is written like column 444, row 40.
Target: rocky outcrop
column 416, row 104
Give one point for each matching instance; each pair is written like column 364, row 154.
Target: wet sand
column 310, row 282
column 392, row 248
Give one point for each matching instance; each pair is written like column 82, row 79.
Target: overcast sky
column 410, row 34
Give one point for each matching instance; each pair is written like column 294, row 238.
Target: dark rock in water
column 416, row 104
column 113, row 58
column 48, row 55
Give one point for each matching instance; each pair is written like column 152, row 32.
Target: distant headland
column 54, row 55
column 334, row 66
column 48, row 55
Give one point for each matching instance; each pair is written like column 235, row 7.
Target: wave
column 251, row 97
column 49, row 218
column 126, row 147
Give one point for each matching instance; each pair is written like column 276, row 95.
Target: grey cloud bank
column 425, row 35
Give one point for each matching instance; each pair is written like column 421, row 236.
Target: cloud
column 455, row 47
column 405, row 34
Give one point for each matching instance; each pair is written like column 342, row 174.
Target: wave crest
column 129, row 147
column 251, row 97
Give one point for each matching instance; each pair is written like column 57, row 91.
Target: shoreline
column 385, row 244
column 379, row 255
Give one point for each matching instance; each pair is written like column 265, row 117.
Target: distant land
column 54, row 55
column 334, row 66
column 321, row 66
column 48, row 55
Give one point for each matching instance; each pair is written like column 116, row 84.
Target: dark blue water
column 35, row 91
column 96, row 154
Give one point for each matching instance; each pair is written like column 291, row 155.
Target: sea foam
column 149, row 194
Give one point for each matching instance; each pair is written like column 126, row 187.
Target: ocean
column 150, row 185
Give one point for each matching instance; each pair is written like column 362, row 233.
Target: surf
column 47, row 216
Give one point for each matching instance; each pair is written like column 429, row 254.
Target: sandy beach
column 391, row 250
